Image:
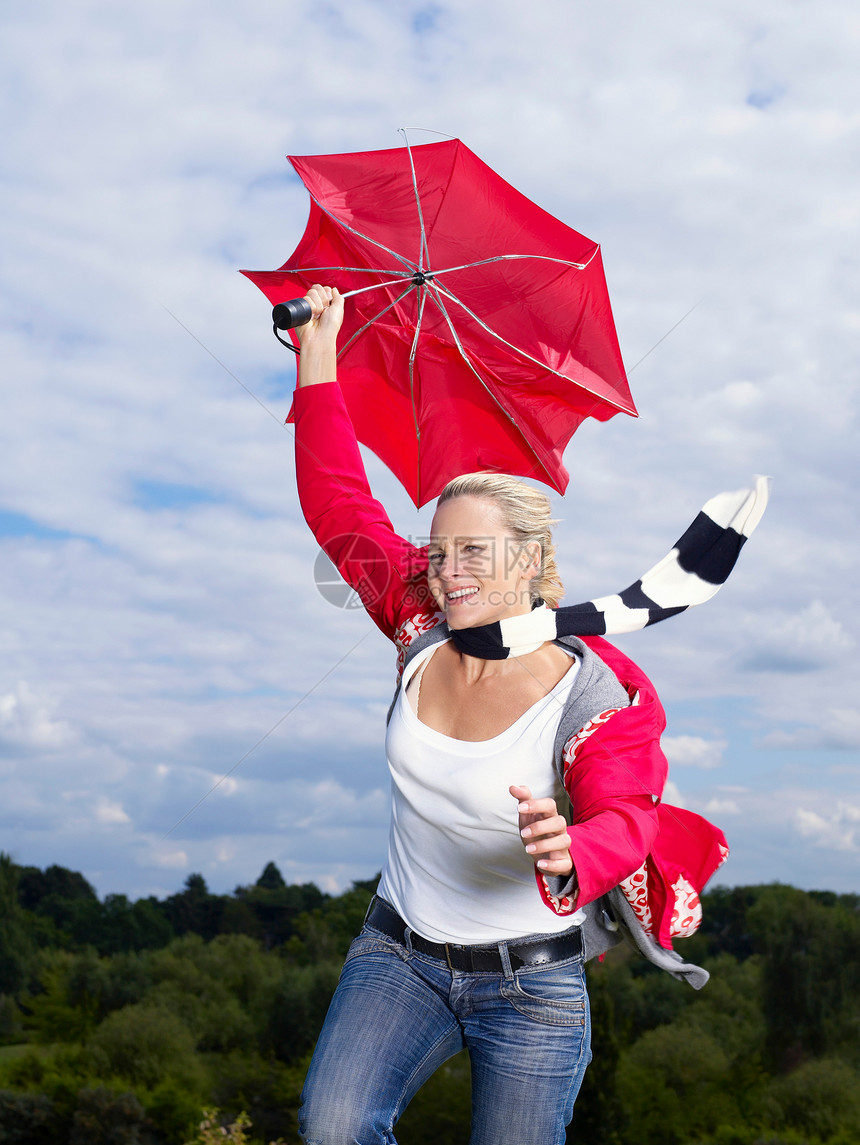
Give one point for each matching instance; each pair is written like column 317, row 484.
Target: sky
column 176, row 694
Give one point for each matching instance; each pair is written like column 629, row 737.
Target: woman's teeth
column 461, row 592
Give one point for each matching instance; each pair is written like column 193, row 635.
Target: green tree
column 46, row 891
column 297, row 1009
column 811, row 974
column 16, row 947
column 271, row 879
column 103, row 1117
column 821, row 1099
column 29, row 1119
column 194, row 909
column 673, row 1084
column 146, row 1044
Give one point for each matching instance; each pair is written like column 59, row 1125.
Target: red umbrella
column 480, row 333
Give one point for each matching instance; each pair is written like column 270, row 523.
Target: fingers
column 543, row 831
column 326, row 317
column 319, row 297
column 558, row 863
column 324, row 298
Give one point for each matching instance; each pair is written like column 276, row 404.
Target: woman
column 474, row 938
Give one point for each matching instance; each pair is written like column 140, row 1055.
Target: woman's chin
column 466, row 616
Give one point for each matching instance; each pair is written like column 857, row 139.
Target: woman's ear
column 531, row 560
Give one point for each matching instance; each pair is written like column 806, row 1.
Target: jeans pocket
column 555, row 996
column 369, row 941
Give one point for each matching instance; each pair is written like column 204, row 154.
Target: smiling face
column 479, row 573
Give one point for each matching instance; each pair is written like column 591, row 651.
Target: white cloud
column 167, row 858
column 719, row 807
column 837, row 830
column 672, row 794
column 109, row 812
column 27, row 720
column 693, row 751
column 837, row 729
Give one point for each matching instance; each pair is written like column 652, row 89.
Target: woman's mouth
column 460, row 594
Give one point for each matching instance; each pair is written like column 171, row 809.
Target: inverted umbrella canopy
column 486, row 336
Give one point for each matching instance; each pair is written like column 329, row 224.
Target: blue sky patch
column 425, row 19
column 19, row 525
column 169, row 495
column 764, row 97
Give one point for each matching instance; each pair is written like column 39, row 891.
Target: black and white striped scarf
column 691, row 573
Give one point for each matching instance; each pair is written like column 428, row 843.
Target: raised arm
column 387, row 572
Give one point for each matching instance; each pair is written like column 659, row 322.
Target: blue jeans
column 397, row 1015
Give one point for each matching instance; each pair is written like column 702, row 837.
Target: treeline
column 58, row 907
column 120, row 1021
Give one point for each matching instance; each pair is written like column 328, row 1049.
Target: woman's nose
column 449, row 566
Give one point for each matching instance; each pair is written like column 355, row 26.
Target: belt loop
column 407, row 939
column 370, row 907
column 506, row 960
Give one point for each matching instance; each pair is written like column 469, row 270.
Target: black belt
column 484, row 959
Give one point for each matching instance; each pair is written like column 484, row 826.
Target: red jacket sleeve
column 350, row 525
column 614, row 774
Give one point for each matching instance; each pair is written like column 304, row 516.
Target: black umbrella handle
column 295, row 312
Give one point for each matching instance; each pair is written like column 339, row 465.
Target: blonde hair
column 525, row 513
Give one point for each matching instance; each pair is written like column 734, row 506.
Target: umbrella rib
column 412, row 352
column 504, row 257
column 424, row 253
column 350, row 269
column 371, row 321
column 353, row 231
column 526, row 355
column 434, row 290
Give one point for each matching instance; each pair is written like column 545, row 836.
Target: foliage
column 212, row 1132
column 219, row 1002
column 147, row 1045
column 15, row 942
column 106, row 1118
column 297, row 1009
column 28, row 1118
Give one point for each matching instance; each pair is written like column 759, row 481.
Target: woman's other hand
column 318, row 338
column 543, row 832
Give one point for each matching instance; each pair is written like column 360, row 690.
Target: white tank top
column 457, row 870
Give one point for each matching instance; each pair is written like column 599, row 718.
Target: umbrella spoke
column 354, row 231
column 341, row 269
column 379, row 286
column 506, row 257
column 423, row 253
column 342, row 349
column 422, row 295
column 524, row 354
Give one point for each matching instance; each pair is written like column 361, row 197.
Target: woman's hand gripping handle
column 318, row 337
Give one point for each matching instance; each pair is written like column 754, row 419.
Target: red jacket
column 615, row 770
